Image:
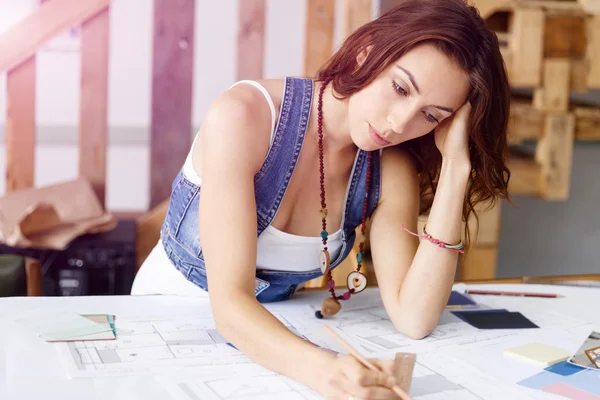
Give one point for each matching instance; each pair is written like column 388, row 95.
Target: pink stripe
column 570, row 392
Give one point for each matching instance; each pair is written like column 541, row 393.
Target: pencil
column 502, row 293
column 401, row 393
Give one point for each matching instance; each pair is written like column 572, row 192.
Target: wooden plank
column 355, row 13
column 554, row 152
column 554, row 95
column 527, row 47
column 487, row 8
column 525, row 177
column 487, row 231
column 593, row 54
column 93, row 124
column 479, row 263
column 52, row 18
column 172, row 73
column 318, row 43
column 565, row 36
column 591, row 6
column 587, row 125
column 35, row 277
column 559, row 6
column 251, row 39
column 20, row 126
column 579, row 76
column 525, row 123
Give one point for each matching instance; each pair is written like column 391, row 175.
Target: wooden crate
column 549, row 47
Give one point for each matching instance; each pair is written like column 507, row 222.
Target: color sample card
column 538, row 353
column 486, row 319
column 564, row 369
column 584, row 384
column 460, row 314
column 458, row 299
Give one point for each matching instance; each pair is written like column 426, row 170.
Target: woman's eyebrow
column 416, row 86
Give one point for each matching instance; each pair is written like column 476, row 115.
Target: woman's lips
column 376, row 137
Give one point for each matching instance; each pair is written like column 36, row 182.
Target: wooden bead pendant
column 330, row 307
column 325, row 261
column 356, row 282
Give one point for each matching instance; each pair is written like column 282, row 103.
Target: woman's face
column 407, row 100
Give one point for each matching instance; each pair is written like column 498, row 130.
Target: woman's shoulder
column 240, row 118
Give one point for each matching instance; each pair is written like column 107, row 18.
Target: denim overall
column 180, row 234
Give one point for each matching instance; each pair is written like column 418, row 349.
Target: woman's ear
column 362, row 56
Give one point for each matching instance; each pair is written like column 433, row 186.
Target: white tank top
column 278, row 250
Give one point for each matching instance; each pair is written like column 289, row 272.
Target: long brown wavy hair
column 456, row 29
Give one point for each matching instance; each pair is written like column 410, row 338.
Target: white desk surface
column 32, row 369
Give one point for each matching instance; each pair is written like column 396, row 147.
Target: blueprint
column 182, row 349
column 153, row 345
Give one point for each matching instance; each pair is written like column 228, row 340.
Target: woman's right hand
column 347, row 379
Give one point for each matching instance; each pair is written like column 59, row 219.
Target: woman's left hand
column 452, row 136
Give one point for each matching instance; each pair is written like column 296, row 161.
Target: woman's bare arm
column 233, row 147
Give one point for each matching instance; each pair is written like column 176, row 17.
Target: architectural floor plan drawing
column 151, row 345
column 373, row 329
column 265, row 386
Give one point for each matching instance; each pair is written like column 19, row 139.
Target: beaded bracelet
column 452, row 247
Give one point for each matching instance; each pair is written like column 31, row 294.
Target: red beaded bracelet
column 452, row 247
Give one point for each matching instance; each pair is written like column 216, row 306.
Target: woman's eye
column 399, row 89
column 430, row 118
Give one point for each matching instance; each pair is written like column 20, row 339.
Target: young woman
column 408, row 116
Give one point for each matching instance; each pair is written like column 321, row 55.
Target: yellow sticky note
column 538, row 353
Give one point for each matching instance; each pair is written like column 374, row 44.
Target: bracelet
column 452, row 247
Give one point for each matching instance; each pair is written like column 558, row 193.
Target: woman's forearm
column 262, row 337
column 429, row 280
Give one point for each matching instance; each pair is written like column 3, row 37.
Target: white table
column 31, row 369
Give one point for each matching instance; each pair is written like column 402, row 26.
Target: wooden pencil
column 401, row 393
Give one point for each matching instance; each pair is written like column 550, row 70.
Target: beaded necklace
column 356, row 281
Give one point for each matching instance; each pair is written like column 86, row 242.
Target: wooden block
column 526, row 48
column 487, row 231
column 554, row 95
column 591, row 6
column 404, row 365
column 320, row 16
column 579, row 76
column 20, row 126
column 21, row 41
column 172, row 73
column 356, row 13
column 525, row 123
column 93, row 125
column 554, row 152
column 251, row 39
column 593, row 52
column 479, row 263
column 525, row 177
column 35, row 278
column 587, row 124
column 565, row 36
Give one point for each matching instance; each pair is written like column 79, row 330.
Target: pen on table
column 403, row 395
column 503, row 293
